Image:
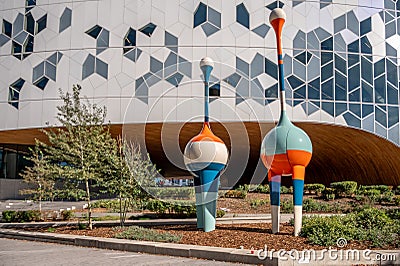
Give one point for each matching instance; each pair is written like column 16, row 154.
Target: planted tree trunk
column 90, row 223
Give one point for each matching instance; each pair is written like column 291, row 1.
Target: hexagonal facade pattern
column 341, row 61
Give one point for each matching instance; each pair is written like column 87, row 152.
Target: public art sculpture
column 286, row 149
column 205, row 157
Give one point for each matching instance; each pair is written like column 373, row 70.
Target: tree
column 131, row 172
column 79, row 149
column 38, row 176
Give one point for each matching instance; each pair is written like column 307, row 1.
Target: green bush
column 325, row 231
column 369, row 224
column 262, row 189
column 329, row 193
column 393, row 214
column 186, row 193
column 146, row 234
column 386, row 197
column 67, row 215
column 9, row 216
column 286, row 190
column 220, row 213
column 345, row 188
column 21, row 216
column 381, row 188
column 314, row 188
column 255, row 203
column 239, row 194
column 311, row 205
column 287, row 206
column 372, row 195
column 397, row 200
column 161, row 207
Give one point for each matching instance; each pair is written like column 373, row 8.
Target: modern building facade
column 140, row 59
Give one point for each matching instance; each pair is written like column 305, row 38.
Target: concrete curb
column 211, row 253
column 180, row 250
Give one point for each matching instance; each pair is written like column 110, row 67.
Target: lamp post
column 205, row 157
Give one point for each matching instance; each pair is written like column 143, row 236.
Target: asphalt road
column 17, row 252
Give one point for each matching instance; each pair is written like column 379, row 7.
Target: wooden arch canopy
column 339, row 153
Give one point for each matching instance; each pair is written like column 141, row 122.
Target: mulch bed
column 247, row 236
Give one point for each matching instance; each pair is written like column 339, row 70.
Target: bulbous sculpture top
column 285, row 145
column 205, row 152
column 206, row 61
column 277, row 13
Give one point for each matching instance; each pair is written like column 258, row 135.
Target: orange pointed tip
column 206, row 135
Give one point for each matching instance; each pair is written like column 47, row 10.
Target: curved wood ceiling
column 339, row 153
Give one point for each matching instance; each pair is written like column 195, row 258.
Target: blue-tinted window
column 41, row 83
column 392, row 95
column 355, row 108
column 340, row 64
column 365, row 26
column 271, row 69
column 257, row 65
column 380, row 116
column 340, row 108
column 352, row 120
column 352, row 23
column 354, row 77
column 340, row 23
column 327, row 44
column 326, row 72
column 242, row 66
column 367, row 109
column 294, row 82
column 393, row 115
column 328, row 107
column 366, row 70
column 353, row 47
column 16, row 48
column 314, row 90
column 65, row 20
column 300, row 93
column 29, row 45
column 354, row 96
column 148, row 29
column 42, row 23
column 95, row 31
column 379, row 67
column 272, row 92
column 233, row 79
column 29, row 23
column 242, row 15
column 214, row 17
column 274, row 5
column 391, row 72
column 129, row 40
column 327, row 90
column 326, row 57
column 215, row 90
column 366, row 47
column 390, row 29
column 367, row 92
column 200, row 15
column 380, row 89
column 353, row 59
column 7, row 28
column 171, row 42
column 88, row 66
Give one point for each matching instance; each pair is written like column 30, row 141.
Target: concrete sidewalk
column 281, row 257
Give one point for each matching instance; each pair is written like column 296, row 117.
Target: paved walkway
column 19, row 252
